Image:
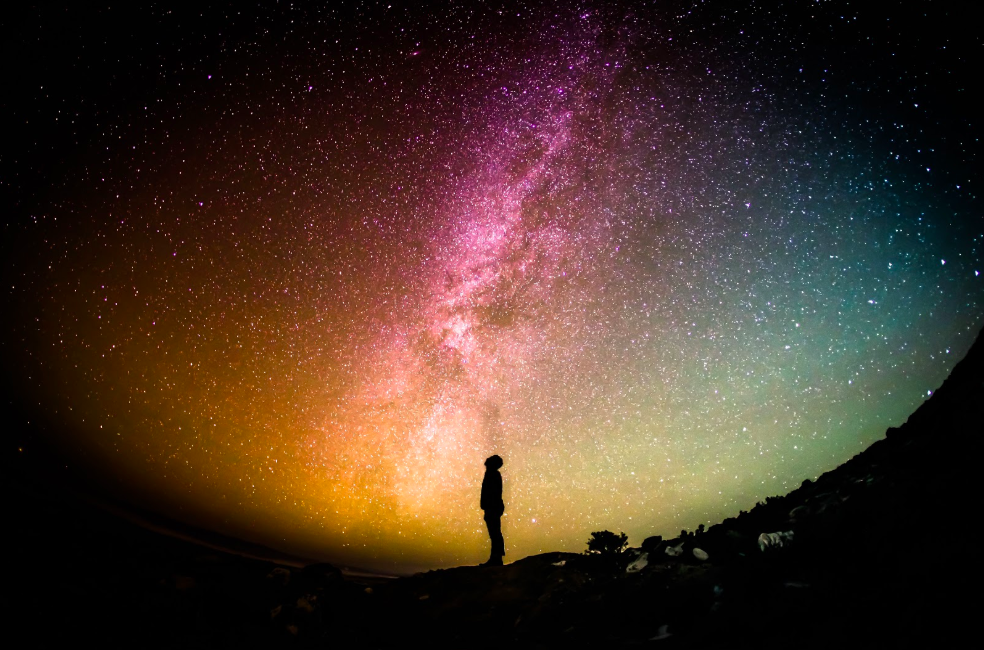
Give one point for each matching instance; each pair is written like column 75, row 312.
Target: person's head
column 493, row 462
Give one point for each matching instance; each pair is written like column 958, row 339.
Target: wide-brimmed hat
column 493, row 462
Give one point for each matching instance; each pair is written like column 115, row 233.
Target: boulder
column 652, row 544
column 638, row 564
column 768, row 541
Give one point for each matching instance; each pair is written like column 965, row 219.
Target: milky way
column 303, row 271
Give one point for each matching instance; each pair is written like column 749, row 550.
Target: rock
column 774, row 540
column 661, row 633
column 651, row 544
column 305, row 603
column 323, row 569
column 320, row 575
column 675, row 551
column 798, row 511
column 280, row 575
column 638, row 564
column 700, row 554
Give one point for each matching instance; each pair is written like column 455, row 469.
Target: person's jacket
column 492, row 492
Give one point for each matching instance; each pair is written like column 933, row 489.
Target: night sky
column 292, row 274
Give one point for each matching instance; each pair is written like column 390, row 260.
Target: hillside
column 876, row 551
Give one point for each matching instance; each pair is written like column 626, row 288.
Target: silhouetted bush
column 605, row 542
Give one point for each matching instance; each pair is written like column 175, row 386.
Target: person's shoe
column 492, row 561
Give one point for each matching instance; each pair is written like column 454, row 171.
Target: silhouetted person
column 493, row 507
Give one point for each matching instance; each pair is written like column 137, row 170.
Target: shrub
column 607, row 543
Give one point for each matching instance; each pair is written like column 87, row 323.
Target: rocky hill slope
column 878, row 551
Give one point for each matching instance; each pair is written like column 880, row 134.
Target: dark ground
column 883, row 554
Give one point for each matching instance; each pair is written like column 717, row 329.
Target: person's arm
column 498, row 491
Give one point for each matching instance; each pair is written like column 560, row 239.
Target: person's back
column 492, row 491
column 491, row 503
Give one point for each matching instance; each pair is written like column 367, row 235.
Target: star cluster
column 293, row 274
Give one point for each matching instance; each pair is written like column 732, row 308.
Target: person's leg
column 500, row 544
column 493, row 523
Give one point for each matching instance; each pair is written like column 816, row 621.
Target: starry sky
column 292, row 273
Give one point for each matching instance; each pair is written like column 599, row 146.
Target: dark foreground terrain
column 879, row 552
